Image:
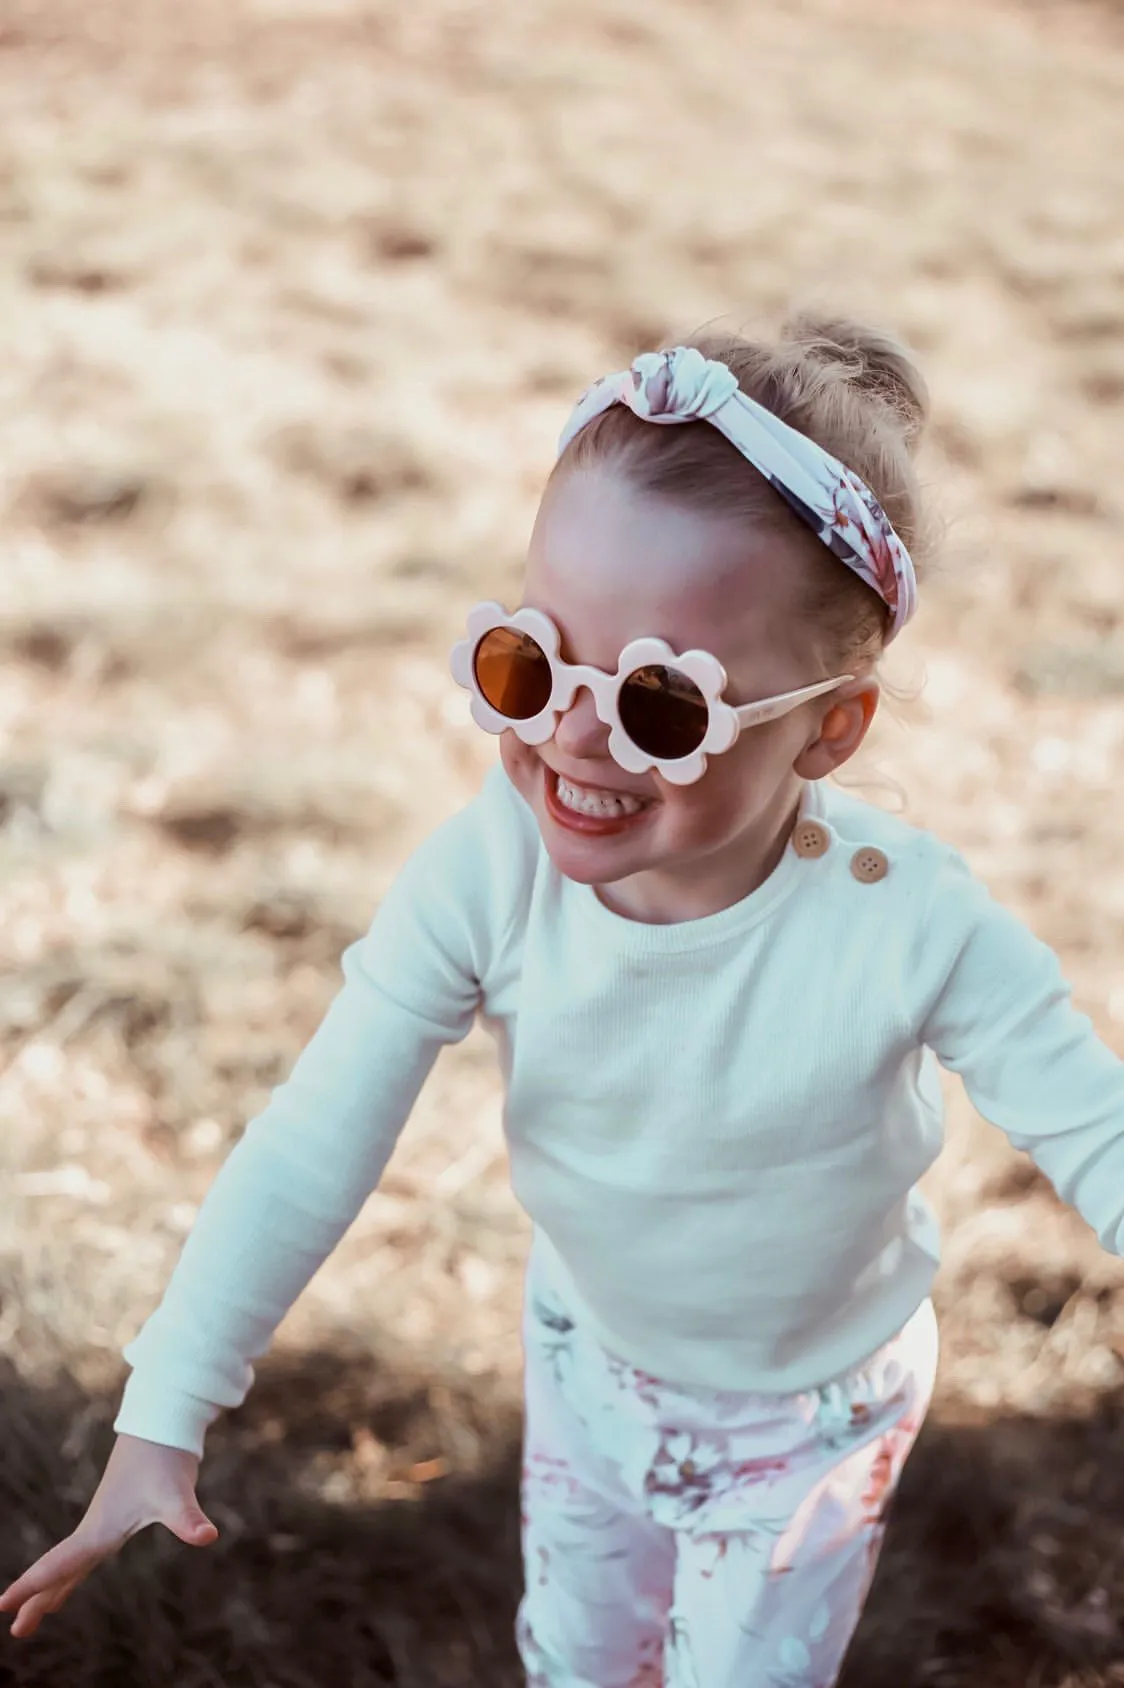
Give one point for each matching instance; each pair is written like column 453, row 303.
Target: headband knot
column 679, row 385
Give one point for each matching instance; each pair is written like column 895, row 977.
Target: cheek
column 691, row 814
column 521, row 763
column 735, row 787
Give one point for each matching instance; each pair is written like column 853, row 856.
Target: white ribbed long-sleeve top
column 716, row 1127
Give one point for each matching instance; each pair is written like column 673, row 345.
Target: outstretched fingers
column 33, row 1611
column 71, row 1558
column 48, row 1584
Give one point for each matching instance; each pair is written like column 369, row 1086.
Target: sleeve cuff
column 161, row 1415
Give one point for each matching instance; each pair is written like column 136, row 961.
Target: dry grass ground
column 295, row 294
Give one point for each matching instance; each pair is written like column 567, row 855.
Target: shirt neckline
column 643, row 938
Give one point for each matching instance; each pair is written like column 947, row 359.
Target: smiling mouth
column 590, row 809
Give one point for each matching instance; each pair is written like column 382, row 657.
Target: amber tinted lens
column 513, row 673
column 663, row 712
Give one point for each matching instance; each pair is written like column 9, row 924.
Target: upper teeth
column 588, row 802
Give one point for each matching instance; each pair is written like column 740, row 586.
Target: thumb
column 191, row 1525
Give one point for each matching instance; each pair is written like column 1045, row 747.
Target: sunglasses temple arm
column 754, row 714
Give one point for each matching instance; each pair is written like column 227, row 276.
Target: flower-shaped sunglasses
column 663, row 711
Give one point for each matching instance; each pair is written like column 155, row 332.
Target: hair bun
column 872, row 360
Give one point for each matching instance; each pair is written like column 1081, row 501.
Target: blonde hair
column 853, row 389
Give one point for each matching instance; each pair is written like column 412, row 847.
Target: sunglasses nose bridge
column 577, row 678
column 582, row 704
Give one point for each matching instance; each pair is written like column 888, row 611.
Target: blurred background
column 295, row 297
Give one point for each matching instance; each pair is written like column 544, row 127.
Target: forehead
column 612, row 564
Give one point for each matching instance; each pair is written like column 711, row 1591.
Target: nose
column 580, row 732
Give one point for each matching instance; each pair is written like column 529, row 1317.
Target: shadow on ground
column 301, row 1591
column 1001, row 1568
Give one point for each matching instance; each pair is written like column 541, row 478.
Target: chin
column 586, row 864
column 588, row 858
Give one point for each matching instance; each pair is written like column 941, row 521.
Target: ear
column 840, row 731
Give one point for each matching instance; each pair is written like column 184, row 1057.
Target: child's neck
column 707, row 884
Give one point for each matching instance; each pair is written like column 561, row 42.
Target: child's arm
column 281, row 1202
column 296, row 1180
column 305, row 1166
column 284, row 1197
column 1000, row 1014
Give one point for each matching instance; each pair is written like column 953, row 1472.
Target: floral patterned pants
column 687, row 1538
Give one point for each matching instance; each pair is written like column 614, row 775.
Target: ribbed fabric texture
column 717, row 1127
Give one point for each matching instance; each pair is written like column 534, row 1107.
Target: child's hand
column 143, row 1483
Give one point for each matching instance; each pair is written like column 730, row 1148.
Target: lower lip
column 593, row 826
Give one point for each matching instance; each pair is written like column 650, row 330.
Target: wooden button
column 869, row 865
column 810, row 838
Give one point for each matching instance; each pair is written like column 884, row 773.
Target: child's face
column 608, row 566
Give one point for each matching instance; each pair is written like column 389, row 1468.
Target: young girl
column 719, row 985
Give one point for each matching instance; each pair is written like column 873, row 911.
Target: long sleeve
column 304, row 1167
column 1000, row 1015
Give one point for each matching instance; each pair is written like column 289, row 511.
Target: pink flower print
column 648, row 1675
column 547, row 1472
column 547, row 1463
column 684, row 1471
column 877, row 1492
column 748, row 1473
column 721, row 1545
column 630, row 1381
column 649, row 1670
column 881, row 541
column 881, row 559
column 646, row 1388
column 840, row 517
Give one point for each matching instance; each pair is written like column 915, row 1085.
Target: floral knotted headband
column 681, row 385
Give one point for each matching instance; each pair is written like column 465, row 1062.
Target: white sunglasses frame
column 725, row 721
